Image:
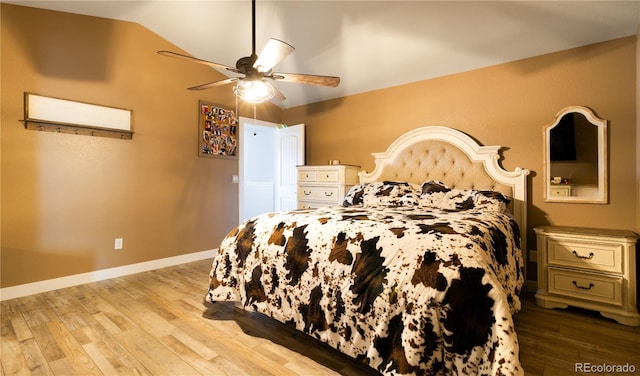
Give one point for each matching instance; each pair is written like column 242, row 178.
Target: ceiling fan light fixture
column 253, row 91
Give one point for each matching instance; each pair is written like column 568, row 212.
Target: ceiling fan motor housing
column 245, row 66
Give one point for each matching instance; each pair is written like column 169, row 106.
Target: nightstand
column 588, row 268
column 325, row 185
column 560, row 190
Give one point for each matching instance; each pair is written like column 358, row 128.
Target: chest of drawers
column 589, row 268
column 325, row 185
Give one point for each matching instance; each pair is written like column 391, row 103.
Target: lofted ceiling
column 369, row 44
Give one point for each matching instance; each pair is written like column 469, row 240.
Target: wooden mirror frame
column 602, row 195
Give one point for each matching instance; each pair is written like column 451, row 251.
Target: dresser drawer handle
column 583, row 287
column 328, row 194
column 306, row 193
column 583, row 257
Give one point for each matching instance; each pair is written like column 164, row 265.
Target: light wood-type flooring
column 155, row 323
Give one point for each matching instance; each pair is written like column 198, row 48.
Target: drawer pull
column 583, row 287
column 306, row 193
column 328, row 194
column 583, row 257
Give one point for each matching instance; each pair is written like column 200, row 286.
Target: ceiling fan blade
column 278, row 96
column 308, row 79
column 214, row 84
column 274, row 51
column 196, row 60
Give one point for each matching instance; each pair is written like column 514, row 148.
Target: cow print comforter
column 408, row 290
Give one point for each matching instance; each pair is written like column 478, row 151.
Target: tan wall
column 507, row 105
column 65, row 198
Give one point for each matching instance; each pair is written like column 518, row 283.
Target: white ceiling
column 370, row 44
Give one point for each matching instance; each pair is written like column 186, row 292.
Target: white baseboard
column 99, row 275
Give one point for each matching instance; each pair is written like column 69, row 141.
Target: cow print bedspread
column 406, row 290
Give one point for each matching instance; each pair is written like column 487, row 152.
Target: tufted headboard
column 454, row 158
column 438, row 160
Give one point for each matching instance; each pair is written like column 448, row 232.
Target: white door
column 256, row 168
column 289, row 154
column 267, row 174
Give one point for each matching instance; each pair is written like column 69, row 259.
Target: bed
column 418, row 273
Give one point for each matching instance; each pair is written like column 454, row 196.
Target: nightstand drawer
column 560, row 190
column 593, row 287
column 586, row 255
column 328, row 194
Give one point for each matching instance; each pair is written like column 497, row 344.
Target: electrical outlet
column 234, row 179
column 118, row 243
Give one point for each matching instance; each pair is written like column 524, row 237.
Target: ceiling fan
column 253, row 86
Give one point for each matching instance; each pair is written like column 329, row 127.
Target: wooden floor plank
column 11, row 356
column 62, row 367
column 194, row 345
column 79, row 359
column 119, row 357
column 36, row 362
column 155, row 357
column 201, row 364
column 155, row 324
column 101, row 359
column 21, row 328
column 50, row 348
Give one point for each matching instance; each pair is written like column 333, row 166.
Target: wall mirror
column 575, row 157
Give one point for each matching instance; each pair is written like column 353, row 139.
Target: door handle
column 583, row 257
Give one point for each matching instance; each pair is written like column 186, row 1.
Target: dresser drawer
column 311, row 204
column 325, row 194
column 586, row 255
column 307, row 176
column 320, row 176
column 593, row 287
column 328, row 176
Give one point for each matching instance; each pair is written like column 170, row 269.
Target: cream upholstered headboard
column 454, row 158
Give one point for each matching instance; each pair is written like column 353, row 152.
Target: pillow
column 453, row 199
column 389, row 193
column 432, row 194
column 432, row 186
column 491, row 201
column 381, row 193
column 354, row 196
column 385, row 193
column 436, row 194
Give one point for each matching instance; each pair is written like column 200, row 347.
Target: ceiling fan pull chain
column 237, row 113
